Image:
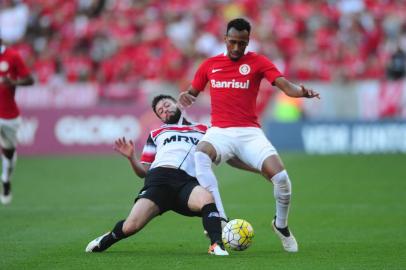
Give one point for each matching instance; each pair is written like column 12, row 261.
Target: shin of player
column 144, row 210
column 208, row 180
column 8, row 160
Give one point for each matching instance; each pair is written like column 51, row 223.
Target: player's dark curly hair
column 240, row 24
column 159, row 98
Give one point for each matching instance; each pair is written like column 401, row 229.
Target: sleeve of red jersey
column 269, row 70
column 149, row 151
column 200, row 80
column 22, row 70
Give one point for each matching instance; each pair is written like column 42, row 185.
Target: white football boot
column 289, row 243
column 93, row 245
column 218, row 250
column 6, row 199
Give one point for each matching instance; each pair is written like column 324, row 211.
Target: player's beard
column 235, row 56
column 174, row 118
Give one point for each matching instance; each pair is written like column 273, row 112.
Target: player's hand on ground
column 185, row 100
column 124, row 147
column 309, row 93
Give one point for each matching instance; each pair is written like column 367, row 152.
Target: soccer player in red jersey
column 234, row 78
column 13, row 73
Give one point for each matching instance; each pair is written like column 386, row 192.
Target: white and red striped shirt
column 173, row 145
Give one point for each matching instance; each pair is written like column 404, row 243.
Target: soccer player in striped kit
column 168, row 166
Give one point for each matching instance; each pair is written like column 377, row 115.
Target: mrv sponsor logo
column 94, row 130
column 181, row 138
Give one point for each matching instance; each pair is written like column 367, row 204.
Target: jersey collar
column 245, row 53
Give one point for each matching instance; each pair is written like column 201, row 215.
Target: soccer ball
column 238, row 234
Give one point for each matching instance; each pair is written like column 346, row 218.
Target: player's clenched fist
column 186, row 99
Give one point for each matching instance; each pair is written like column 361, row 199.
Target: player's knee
column 207, row 149
column 272, row 166
column 130, row 227
column 206, row 198
column 280, row 178
column 9, row 153
column 200, row 198
column 282, row 184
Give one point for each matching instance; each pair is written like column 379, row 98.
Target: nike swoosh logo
column 214, row 70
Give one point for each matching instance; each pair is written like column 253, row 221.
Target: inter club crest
column 244, row 69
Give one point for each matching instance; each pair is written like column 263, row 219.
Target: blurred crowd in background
column 130, row 41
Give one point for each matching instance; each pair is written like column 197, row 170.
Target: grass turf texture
column 348, row 212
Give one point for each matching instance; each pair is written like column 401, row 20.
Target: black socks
column 113, row 237
column 211, row 222
column 6, row 188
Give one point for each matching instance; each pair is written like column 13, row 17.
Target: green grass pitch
column 348, row 212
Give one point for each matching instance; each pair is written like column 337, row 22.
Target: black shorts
column 170, row 189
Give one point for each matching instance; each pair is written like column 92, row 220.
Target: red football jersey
column 234, row 87
column 11, row 65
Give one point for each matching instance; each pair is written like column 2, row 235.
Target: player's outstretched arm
column 294, row 90
column 187, row 98
column 126, row 149
column 25, row 81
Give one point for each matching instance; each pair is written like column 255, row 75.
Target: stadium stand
column 123, row 41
